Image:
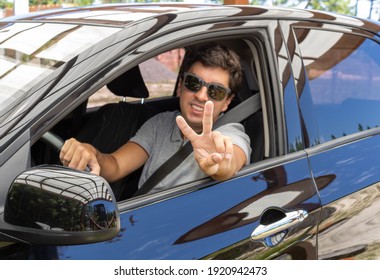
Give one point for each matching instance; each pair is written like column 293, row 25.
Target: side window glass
column 159, row 74
column 344, row 78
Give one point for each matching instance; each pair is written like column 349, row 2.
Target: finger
column 186, row 130
column 84, row 157
column 214, row 159
column 79, row 158
column 210, row 170
column 83, row 160
column 210, row 166
column 90, row 164
column 67, row 151
column 208, row 117
column 94, row 167
column 218, row 142
column 229, row 147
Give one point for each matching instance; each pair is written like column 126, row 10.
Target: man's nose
column 201, row 95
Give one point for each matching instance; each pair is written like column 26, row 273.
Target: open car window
column 114, row 113
column 159, row 73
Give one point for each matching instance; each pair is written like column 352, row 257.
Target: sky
column 364, row 9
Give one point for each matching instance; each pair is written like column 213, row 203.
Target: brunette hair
column 216, row 55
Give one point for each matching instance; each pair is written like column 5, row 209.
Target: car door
column 268, row 210
column 340, row 105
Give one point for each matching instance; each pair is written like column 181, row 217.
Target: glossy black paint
column 349, row 224
column 172, row 229
column 336, row 183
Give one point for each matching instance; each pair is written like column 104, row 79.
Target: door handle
column 274, row 233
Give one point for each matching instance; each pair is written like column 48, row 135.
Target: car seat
column 114, row 124
column 253, row 125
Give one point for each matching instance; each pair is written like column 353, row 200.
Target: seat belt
column 237, row 114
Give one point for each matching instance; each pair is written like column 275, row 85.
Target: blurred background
column 363, row 8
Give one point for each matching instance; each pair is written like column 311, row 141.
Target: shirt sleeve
column 239, row 137
column 145, row 135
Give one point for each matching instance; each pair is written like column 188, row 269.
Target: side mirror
column 55, row 205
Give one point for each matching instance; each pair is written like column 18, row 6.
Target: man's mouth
column 197, row 108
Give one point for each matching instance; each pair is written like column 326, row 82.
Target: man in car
column 211, row 76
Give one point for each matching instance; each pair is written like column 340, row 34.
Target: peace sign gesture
column 213, row 151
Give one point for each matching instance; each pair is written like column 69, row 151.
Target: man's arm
column 112, row 167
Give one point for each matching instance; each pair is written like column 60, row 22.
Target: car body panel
column 349, row 224
column 336, row 183
column 349, row 207
column 203, row 224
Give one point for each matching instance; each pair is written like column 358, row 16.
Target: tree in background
column 5, row 4
column 338, row 6
column 346, row 7
column 47, row 2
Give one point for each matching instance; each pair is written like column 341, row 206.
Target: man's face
column 192, row 104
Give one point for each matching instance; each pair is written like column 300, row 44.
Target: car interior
column 109, row 126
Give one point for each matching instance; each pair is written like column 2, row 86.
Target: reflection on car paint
column 352, row 232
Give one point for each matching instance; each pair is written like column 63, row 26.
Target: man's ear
column 228, row 101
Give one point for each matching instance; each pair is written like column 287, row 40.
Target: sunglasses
column 215, row 91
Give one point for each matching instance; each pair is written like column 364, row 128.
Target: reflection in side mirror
column 55, row 205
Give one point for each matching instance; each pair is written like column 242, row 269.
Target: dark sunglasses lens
column 193, row 83
column 217, row 92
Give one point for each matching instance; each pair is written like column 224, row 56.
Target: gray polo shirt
column 160, row 137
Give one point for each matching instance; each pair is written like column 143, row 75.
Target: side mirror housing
column 55, row 205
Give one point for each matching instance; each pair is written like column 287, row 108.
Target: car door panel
column 351, row 198
column 339, row 106
column 213, row 222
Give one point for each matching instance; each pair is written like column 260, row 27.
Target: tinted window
column 344, row 79
column 29, row 52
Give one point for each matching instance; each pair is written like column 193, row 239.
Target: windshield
column 29, row 52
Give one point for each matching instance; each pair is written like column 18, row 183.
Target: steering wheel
column 53, row 140
column 56, row 142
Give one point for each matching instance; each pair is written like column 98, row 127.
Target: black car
column 98, row 73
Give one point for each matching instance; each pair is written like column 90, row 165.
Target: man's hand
column 212, row 150
column 77, row 155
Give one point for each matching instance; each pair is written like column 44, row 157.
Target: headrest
column 129, row 84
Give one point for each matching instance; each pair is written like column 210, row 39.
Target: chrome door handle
column 263, row 232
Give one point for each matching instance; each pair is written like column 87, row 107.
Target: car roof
column 121, row 15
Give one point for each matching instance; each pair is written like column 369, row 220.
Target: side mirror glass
column 55, row 205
